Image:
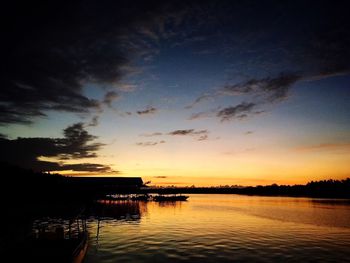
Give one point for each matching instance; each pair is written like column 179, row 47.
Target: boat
column 117, row 197
column 170, row 198
column 126, row 197
column 142, row 197
column 55, row 240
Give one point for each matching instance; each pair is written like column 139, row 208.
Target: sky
column 182, row 93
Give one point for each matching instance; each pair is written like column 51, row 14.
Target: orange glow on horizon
column 203, row 167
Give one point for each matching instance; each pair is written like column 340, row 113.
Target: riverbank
column 319, row 189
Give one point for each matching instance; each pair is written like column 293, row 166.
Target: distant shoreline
column 333, row 189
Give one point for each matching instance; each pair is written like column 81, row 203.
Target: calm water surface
column 222, row 228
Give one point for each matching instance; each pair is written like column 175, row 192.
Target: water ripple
column 226, row 228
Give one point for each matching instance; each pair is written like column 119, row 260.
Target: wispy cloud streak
column 151, row 134
column 324, row 147
column 269, row 90
column 150, row 143
column 148, row 110
column 239, row 111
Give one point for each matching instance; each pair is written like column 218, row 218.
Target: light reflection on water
column 222, row 228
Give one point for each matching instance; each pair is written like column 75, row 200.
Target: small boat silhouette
column 170, row 198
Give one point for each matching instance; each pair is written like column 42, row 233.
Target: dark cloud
column 262, row 91
column 150, row 143
column 109, row 97
column 269, row 89
column 327, row 50
column 76, row 144
column 188, row 132
column 52, row 49
column 270, row 43
column 8, row 114
column 269, row 54
column 239, row 111
column 200, row 135
column 181, row 132
column 86, row 167
column 148, row 110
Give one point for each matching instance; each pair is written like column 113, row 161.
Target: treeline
column 322, row 189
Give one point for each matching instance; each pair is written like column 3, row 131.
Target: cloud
column 269, row 89
column 150, row 143
column 151, row 134
column 86, row 167
column 53, row 50
column 239, row 111
column 148, row 110
column 204, row 114
column 324, row 147
column 76, row 144
column 200, row 115
column 188, row 132
column 93, row 122
column 109, row 97
column 199, row 135
column 262, row 92
column 203, row 97
column 202, row 137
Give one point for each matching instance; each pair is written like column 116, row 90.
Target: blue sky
column 183, row 91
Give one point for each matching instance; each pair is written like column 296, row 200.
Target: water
column 222, row 228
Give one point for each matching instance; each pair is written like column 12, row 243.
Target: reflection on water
column 221, row 228
column 118, row 210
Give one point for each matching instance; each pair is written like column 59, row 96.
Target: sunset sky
column 178, row 92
